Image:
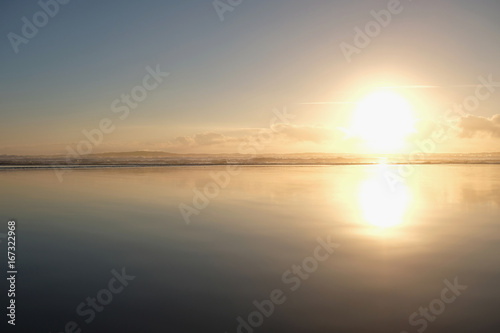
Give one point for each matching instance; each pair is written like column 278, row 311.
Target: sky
column 224, row 68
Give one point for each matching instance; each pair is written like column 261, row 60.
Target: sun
column 383, row 120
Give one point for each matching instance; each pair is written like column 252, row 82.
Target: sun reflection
column 381, row 205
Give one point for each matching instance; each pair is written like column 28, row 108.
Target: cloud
column 281, row 134
column 202, row 139
column 472, row 126
column 296, row 133
column 208, row 139
column 183, row 141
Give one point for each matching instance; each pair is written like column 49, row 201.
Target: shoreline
column 111, row 166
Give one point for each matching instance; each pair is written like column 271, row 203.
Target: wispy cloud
column 435, row 87
column 412, row 87
column 326, row 103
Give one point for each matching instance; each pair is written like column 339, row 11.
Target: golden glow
column 383, row 119
column 381, row 205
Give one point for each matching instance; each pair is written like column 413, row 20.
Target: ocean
column 339, row 248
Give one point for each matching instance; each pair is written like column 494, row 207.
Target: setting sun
column 383, row 119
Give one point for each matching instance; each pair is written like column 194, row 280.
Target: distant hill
column 161, row 158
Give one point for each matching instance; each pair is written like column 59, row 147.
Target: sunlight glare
column 383, row 119
column 380, row 205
